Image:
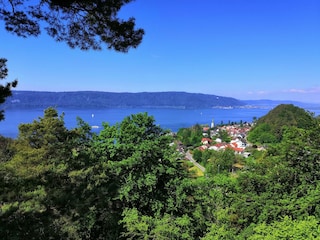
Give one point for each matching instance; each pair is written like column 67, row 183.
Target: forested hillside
column 130, row 182
column 86, row 99
column 270, row 128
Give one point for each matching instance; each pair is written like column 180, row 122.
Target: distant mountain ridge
column 274, row 103
column 96, row 99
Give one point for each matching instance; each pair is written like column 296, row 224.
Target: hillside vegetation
column 269, row 128
column 93, row 99
column 130, row 182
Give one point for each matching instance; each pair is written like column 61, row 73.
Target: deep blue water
column 172, row 119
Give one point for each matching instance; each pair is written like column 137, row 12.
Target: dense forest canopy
column 130, row 182
column 269, row 128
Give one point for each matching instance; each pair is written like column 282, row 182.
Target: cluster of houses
column 236, row 132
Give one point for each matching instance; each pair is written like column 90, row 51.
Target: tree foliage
column 269, row 128
column 5, row 90
column 144, row 165
column 287, row 228
column 65, row 183
column 37, row 192
column 190, row 136
column 127, row 182
column 79, row 23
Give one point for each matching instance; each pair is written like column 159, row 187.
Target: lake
column 172, row 119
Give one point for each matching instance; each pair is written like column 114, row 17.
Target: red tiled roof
column 238, row 149
column 206, row 139
column 219, row 145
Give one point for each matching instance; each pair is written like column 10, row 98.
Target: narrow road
column 190, row 158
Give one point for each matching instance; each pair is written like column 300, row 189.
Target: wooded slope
column 93, row 99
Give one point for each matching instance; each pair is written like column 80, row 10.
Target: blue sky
column 249, row 49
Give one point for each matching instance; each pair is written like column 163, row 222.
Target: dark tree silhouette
column 5, row 90
column 80, row 23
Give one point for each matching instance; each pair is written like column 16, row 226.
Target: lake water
column 172, row 119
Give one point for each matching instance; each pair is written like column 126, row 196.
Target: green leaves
column 140, row 160
column 190, row 136
column 217, row 232
column 128, row 182
column 288, row 228
column 83, row 24
column 269, row 128
column 139, row 226
column 5, row 90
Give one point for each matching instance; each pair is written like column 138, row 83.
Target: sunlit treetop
column 81, row 24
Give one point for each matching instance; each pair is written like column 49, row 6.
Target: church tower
column 212, row 124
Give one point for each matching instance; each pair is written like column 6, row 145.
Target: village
column 221, row 137
column 216, row 138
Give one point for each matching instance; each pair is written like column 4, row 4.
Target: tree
column 262, row 134
column 5, row 90
column 219, row 232
column 220, row 162
column 6, row 151
column 79, row 23
column 142, row 162
column 138, row 226
column 223, row 134
column 269, row 128
column 197, row 155
column 72, row 184
column 288, row 228
column 190, row 136
column 38, row 195
column 131, row 167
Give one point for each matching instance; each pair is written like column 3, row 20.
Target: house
column 205, row 129
column 216, row 148
column 238, row 150
column 203, row 147
column 206, row 141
